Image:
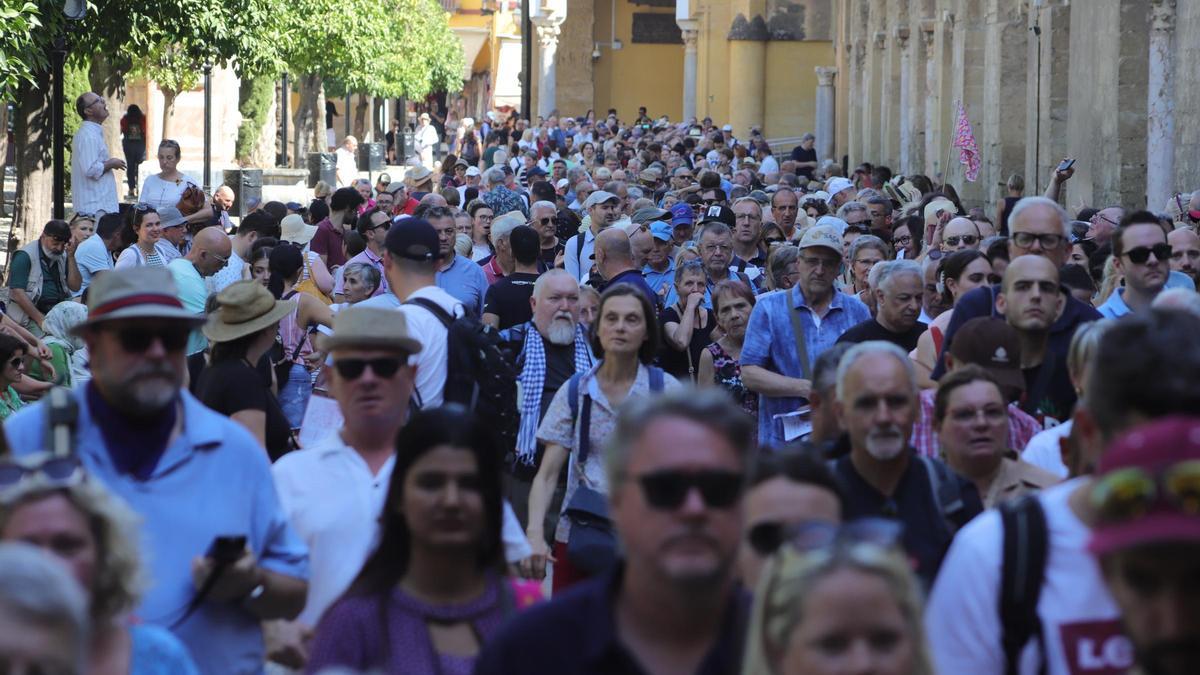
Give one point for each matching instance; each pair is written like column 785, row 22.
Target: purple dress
column 727, row 372
column 352, row 632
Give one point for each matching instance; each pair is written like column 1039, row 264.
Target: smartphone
column 227, row 549
column 1065, row 164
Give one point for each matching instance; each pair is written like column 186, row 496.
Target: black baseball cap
column 413, row 239
column 719, row 214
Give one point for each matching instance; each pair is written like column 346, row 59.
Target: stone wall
column 574, row 59
column 1038, row 81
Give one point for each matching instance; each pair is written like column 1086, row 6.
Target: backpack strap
column 62, row 417
column 946, row 491
column 1026, row 549
column 579, row 243
column 798, row 332
column 656, row 376
column 433, row 308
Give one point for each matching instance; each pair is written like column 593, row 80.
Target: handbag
column 191, row 201
column 309, row 286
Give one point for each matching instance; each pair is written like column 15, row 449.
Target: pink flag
column 964, row 139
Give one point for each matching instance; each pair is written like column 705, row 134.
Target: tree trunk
column 168, row 121
column 33, row 135
column 3, row 155
column 308, row 133
column 362, row 128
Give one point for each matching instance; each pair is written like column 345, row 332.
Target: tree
column 19, row 57
column 174, row 71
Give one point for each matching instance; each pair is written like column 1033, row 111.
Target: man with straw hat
column 192, row 474
column 334, row 491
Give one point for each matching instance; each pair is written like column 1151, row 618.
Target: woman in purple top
column 434, row 591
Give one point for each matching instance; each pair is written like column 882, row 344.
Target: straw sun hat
column 244, row 308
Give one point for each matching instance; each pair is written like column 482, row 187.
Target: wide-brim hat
column 369, row 328
column 419, row 173
column 135, row 293
column 245, row 307
column 294, row 229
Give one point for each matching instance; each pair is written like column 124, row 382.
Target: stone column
column 825, row 113
column 547, row 32
column 690, row 28
column 1160, row 103
column 901, row 34
column 931, row 98
column 747, row 73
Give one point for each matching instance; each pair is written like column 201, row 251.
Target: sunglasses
column 1048, row 241
column 966, row 239
column 667, row 490
column 1127, row 494
column 136, row 340
column 57, row 471
column 766, row 537
column 352, row 369
column 1139, row 255
column 142, row 207
column 543, row 221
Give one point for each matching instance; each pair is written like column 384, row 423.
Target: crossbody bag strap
column 798, row 332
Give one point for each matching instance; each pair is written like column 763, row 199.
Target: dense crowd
column 600, row 396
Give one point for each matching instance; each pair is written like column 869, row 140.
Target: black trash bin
column 322, row 166
column 247, row 187
column 371, row 157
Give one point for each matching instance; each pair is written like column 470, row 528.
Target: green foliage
column 19, row 56
column 75, row 83
column 255, row 97
column 171, row 67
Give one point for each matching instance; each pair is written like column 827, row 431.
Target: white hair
column 503, row 225
column 869, row 348
column 1030, row 202
column 543, row 204
column 884, row 271
column 494, row 175
column 1180, row 299
column 850, row 207
column 539, row 286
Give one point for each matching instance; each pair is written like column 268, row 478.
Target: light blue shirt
column 466, row 282
column 770, row 344
column 1114, row 307
column 91, row 257
column 193, row 293
column 213, row 480
column 660, row 280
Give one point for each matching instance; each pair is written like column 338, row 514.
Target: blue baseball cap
column 682, row 214
column 661, row 230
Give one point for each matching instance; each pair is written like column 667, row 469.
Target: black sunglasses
column 966, row 239
column 352, row 369
column 766, row 537
column 136, row 340
column 1139, row 255
column 667, row 490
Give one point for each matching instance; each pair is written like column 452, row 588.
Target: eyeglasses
column 136, row 340
column 667, row 490
column 543, row 221
column 219, row 258
column 827, row 263
column 1139, row 255
column 352, row 369
column 56, row 471
column 766, row 537
column 142, row 207
column 902, row 241
column 1126, row 494
column 1048, row 241
column 968, row 415
column 966, row 239
column 716, row 248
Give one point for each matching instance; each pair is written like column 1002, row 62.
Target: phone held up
column 227, row 550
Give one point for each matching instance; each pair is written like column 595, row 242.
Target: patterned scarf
column 532, row 381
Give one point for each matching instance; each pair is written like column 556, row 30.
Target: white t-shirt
column 161, row 193
column 1044, row 451
column 428, row 329
column 1080, row 622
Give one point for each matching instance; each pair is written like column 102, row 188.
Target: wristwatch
column 256, row 592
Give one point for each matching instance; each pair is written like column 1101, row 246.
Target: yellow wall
column 712, row 77
column 791, row 95
column 636, row 75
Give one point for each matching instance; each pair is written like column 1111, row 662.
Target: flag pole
column 950, row 148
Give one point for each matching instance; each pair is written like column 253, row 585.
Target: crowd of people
column 601, row 396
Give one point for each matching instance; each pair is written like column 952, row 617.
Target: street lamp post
column 283, row 119
column 74, row 11
column 207, row 125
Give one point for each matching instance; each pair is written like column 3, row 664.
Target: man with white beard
column 546, row 351
column 882, row 476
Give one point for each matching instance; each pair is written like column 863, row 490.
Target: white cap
column 472, row 171
column 727, row 127
column 599, row 197
column 562, row 183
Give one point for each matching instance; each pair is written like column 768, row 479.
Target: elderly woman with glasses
column 53, row 506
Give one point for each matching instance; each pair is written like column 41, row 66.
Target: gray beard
column 560, row 333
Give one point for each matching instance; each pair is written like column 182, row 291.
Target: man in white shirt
column 1150, row 370
column 93, row 185
column 426, row 141
column 347, row 164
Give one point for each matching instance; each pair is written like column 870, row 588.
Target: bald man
column 615, row 264
column 1185, row 253
column 434, row 199
column 1031, row 299
column 210, row 252
column 223, row 201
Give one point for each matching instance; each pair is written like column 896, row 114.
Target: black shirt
column 508, row 299
column 675, row 361
column 799, row 154
column 560, row 366
column 576, row 634
column 871, row 329
column 549, row 255
column 1048, row 389
column 231, row 386
column 927, row 534
column 635, row 278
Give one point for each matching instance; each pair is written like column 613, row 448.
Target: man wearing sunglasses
column 332, row 493
column 1149, row 372
column 373, row 227
column 37, row 279
column 675, row 468
column 191, row 474
column 1142, row 255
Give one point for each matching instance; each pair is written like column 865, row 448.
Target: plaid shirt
column 1021, row 428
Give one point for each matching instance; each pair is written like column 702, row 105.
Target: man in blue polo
column 777, row 362
column 659, row 269
column 191, row 474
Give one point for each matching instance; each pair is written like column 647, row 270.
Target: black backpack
column 478, row 375
column 1026, row 549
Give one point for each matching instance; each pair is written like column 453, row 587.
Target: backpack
column 947, row 491
column 1026, row 549
column 478, row 376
